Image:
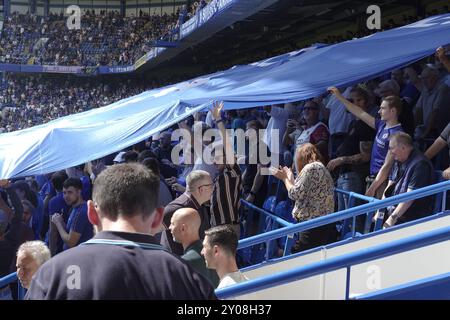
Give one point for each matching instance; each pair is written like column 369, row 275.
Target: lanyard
column 125, row 243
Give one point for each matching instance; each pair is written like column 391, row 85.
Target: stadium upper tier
column 103, row 39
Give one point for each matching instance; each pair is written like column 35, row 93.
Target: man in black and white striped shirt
column 228, row 183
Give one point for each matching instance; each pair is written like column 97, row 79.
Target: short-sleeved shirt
column 422, row 176
column 314, row 135
column 226, row 195
column 358, row 132
column 58, row 205
column 232, row 278
column 446, row 135
column 118, row 272
column 78, row 222
column 86, row 191
column 381, row 144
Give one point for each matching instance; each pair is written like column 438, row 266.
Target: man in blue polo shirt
column 78, row 228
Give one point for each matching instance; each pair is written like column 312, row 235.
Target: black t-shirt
column 252, row 169
column 358, row 132
column 112, row 272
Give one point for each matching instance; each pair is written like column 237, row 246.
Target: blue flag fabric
column 294, row 76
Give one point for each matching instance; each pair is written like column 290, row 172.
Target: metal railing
column 345, row 214
column 336, row 263
column 11, row 278
column 351, row 203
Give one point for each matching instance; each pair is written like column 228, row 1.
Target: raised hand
column 5, row 183
column 440, row 53
column 289, row 173
column 334, row 91
column 216, row 110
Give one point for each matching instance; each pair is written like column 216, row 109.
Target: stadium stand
column 272, row 216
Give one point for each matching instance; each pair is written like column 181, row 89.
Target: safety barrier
column 336, row 263
column 11, row 278
column 373, row 206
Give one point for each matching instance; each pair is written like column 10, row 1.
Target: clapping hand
column 57, row 218
column 283, row 173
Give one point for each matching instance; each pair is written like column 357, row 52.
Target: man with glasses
column 199, row 188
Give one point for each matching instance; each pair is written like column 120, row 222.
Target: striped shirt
column 225, row 198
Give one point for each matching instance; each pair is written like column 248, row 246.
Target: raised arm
column 216, row 114
column 440, row 54
column 353, row 108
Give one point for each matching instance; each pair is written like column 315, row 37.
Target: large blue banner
column 298, row 75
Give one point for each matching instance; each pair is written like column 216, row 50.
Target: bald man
column 184, row 226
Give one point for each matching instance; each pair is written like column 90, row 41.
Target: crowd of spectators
column 106, row 38
column 383, row 137
column 28, row 100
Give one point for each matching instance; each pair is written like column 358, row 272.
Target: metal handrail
column 270, row 215
column 336, row 263
column 345, row 214
column 10, row 278
column 356, row 195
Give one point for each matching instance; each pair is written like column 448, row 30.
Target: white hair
column 194, row 177
column 37, row 249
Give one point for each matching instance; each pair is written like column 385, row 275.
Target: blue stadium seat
column 270, row 204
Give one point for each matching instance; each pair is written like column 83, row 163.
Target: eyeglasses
column 205, row 185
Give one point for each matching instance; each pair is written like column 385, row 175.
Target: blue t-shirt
column 86, row 191
column 78, row 222
column 381, row 144
column 58, row 205
column 37, row 219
